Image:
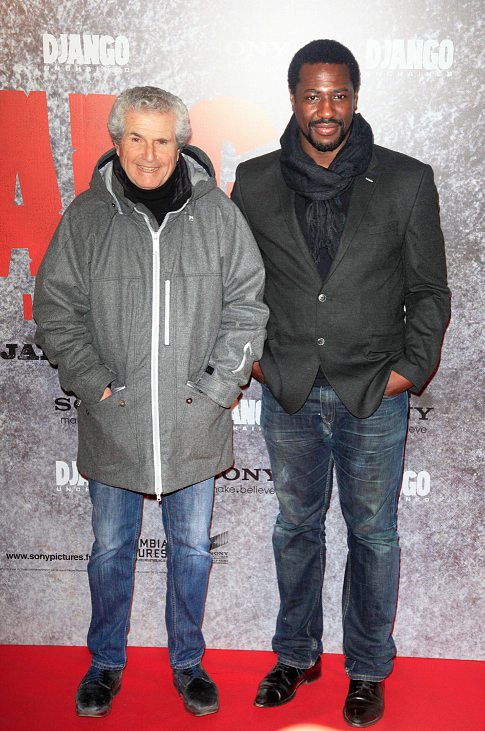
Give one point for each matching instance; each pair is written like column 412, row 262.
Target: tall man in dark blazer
column 356, row 286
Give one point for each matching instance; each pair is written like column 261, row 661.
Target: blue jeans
column 368, row 456
column 117, row 513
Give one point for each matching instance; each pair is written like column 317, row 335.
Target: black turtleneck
column 168, row 197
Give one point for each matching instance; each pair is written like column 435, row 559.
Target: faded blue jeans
column 117, row 513
column 368, row 457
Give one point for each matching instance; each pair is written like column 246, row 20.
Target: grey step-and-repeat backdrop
column 60, row 64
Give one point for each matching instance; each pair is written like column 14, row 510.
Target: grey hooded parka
column 171, row 317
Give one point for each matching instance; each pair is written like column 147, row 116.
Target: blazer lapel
column 287, row 203
column 364, row 187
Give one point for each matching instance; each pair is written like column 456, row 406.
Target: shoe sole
column 309, row 679
column 200, row 713
column 212, row 709
column 361, row 725
column 84, row 714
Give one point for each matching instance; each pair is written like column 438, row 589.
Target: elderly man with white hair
column 149, row 301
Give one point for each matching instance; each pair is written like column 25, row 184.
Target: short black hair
column 323, row 51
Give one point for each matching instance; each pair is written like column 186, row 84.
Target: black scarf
column 323, row 186
column 170, row 196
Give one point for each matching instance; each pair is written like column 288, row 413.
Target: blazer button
column 321, row 341
column 322, row 297
column 188, row 400
column 121, row 403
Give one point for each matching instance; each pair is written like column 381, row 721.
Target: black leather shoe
column 198, row 691
column 281, row 684
column 364, row 704
column 96, row 692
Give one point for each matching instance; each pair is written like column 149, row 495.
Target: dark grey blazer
column 385, row 302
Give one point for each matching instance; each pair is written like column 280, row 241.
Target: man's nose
column 149, row 152
column 325, row 107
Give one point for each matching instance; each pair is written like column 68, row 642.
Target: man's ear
column 356, row 99
column 117, row 148
column 292, row 99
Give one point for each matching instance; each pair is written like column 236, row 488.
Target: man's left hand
column 396, row 384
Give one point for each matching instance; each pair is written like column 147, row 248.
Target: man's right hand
column 106, row 393
column 256, row 372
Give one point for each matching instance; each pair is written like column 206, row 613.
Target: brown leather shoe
column 281, row 683
column 364, row 704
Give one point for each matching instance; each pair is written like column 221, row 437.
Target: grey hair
column 152, row 99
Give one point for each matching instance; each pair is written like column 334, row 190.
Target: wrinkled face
column 148, row 150
column 324, row 103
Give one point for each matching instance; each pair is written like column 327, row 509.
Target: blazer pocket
column 384, row 343
column 381, row 228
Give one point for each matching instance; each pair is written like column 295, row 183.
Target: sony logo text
column 410, row 54
column 86, row 49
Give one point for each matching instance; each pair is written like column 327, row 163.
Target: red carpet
column 38, row 685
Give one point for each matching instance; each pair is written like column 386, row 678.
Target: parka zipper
column 155, row 342
column 157, row 460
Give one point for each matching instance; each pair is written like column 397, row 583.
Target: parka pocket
column 203, row 426
column 107, row 430
column 193, row 388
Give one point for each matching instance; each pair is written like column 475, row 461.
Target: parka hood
column 105, row 186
